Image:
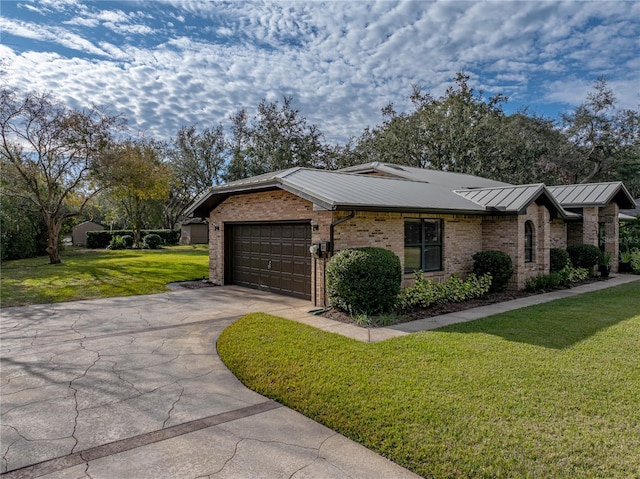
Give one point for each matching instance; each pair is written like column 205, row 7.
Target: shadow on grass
column 562, row 323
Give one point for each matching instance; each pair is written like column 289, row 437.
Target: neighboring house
column 79, row 232
column 261, row 228
column 194, row 231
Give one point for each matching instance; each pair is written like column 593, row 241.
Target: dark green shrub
column 559, row 258
column 495, row 263
column 101, row 239
column 584, row 255
column 364, row 280
column 127, row 240
column 543, row 282
column 151, row 241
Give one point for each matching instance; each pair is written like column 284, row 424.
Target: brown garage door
column 271, row 256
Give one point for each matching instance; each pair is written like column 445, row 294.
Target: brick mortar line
column 122, row 445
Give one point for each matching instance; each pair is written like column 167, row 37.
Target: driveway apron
column 133, row 387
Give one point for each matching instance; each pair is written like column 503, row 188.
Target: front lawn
column 548, row 391
column 89, row 274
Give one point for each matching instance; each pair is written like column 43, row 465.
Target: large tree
column 49, row 154
column 455, row 132
column 140, row 181
column 198, row 160
column 606, row 138
column 278, row 137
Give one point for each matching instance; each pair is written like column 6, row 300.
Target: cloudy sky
column 164, row 64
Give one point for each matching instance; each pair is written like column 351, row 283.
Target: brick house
column 261, row 228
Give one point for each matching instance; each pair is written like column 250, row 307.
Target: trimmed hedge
column 364, row 280
column 101, row 239
column 584, row 255
column 495, row 263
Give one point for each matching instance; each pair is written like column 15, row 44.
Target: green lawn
column 549, row 391
column 88, row 274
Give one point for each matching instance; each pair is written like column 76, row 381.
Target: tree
column 198, row 161
column 49, row 154
column 277, row 138
column 140, row 181
column 456, row 132
column 606, row 138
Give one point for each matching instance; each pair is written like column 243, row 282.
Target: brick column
column 609, row 216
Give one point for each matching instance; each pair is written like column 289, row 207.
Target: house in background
column 79, row 232
column 277, row 231
column 194, row 231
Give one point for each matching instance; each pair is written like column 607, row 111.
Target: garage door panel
column 273, row 257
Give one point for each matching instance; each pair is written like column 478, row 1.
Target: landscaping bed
column 440, row 308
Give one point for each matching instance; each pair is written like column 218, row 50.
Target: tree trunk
column 52, row 241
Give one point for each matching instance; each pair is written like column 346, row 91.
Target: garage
column 270, row 256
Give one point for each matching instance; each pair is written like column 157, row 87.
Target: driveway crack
column 164, row 424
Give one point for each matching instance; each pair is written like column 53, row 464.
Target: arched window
column 528, row 242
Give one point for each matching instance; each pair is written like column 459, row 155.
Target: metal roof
column 592, row 194
column 339, row 190
column 334, row 190
column 513, row 199
column 632, row 212
column 436, row 177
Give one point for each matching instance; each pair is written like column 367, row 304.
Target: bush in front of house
column 565, row 277
column 425, row 292
column 495, row 263
column 559, row 259
column 584, row 255
column 151, row 241
column 364, row 280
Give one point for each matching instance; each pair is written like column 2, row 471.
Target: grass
column 89, row 274
column 548, row 391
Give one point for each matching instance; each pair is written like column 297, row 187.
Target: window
column 528, row 242
column 422, row 245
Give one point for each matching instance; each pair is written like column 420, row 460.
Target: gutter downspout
column 331, row 248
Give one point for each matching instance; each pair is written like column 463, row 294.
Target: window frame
column 425, row 245
column 529, row 238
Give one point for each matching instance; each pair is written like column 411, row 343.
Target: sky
column 167, row 64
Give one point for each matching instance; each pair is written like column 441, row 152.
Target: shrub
column 565, row 277
column 543, row 282
column 101, row 239
column 127, row 240
column 364, row 280
column 559, row 259
column 495, row 263
column 584, row 255
column 151, row 241
column 426, row 292
column 116, row 243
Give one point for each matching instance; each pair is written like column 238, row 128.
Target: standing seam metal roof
column 590, row 194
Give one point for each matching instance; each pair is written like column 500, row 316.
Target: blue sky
column 165, row 64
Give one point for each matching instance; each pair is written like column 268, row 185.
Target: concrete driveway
column 133, row 388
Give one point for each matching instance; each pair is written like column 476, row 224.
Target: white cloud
column 341, row 61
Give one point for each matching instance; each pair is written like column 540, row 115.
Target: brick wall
column 558, row 234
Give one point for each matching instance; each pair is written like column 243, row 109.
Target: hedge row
column 102, row 239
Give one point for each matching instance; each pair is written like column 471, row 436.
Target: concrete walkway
column 133, row 388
